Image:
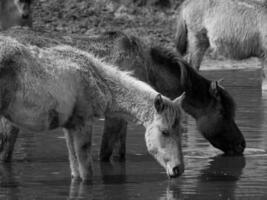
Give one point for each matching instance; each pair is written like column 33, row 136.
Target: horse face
column 24, row 8
column 163, row 138
column 218, row 124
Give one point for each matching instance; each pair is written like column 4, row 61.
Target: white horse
column 46, row 88
column 236, row 29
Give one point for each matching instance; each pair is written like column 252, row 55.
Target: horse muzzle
column 236, row 149
column 175, row 171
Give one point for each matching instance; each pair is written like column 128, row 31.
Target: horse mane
column 172, row 114
column 9, row 49
column 106, row 70
column 173, row 63
column 190, row 80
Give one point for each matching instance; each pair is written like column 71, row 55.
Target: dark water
column 40, row 169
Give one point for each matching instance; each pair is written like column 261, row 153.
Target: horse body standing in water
column 236, row 29
column 206, row 101
column 166, row 72
column 14, row 13
column 43, row 89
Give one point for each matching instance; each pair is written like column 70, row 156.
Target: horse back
column 234, row 28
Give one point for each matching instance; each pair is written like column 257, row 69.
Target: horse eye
column 166, row 133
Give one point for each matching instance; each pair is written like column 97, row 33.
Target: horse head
column 209, row 103
column 163, row 135
column 218, row 124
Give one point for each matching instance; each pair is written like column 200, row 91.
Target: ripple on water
column 254, row 152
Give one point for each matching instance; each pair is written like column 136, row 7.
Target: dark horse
column 206, row 101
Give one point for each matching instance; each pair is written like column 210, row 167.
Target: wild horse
column 236, row 29
column 206, row 101
column 15, row 13
column 210, row 104
column 63, row 87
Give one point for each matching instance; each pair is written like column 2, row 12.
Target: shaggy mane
column 190, row 80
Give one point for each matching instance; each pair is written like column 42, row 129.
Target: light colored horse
column 14, row 13
column 46, row 88
column 236, row 29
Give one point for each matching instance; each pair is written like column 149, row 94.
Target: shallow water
column 40, row 168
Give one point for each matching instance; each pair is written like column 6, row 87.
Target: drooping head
column 163, row 135
column 217, row 121
column 23, row 8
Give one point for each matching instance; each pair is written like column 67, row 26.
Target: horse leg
column 8, row 137
column 74, row 167
column 114, row 139
column 119, row 149
column 197, row 45
column 264, row 71
column 82, row 139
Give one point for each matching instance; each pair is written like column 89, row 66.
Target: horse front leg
column 74, row 166
column 8, row 137
column 80, row 151
column 264, row 71
column 114, row 139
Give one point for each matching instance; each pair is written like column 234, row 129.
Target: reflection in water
column 40, row 169
column 218, row 179
column 173, row 192
column 221, row 169
column 8, row 180
column 113, row 173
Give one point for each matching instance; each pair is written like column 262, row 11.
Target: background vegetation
column 153, row 20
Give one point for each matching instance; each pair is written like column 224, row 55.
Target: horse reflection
column 217, row 180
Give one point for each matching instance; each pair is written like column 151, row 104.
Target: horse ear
column 159, row 103
column 214, row 88
column 178, row 100
column 220, row 81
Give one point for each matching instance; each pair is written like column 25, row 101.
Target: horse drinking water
column 43, row 89
column 161, row 68
column 236, row 29
column 14, row 13
column 206, row 101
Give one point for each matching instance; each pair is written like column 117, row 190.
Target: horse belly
column 33, row 119
column 65, row 94
column 233, row 37
column 44, row 109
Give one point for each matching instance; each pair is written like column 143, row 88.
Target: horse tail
column 181, row 35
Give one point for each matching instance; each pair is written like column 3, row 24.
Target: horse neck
column 136, row 106
column 131, row 98
column 197, row 97
column 195, row 86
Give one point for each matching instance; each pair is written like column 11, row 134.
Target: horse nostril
column 178, row 170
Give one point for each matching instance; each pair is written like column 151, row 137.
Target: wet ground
column 40, row 168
